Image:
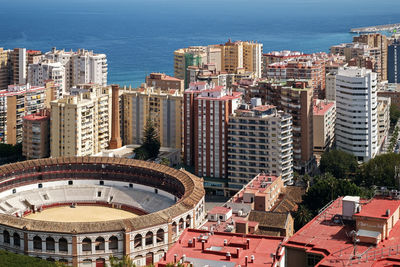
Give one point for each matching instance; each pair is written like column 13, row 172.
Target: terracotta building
column 36, row 135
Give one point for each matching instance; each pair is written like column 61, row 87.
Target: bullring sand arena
column 80, row 214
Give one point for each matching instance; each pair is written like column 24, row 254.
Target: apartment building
column 206, row 122
column 185, row 57
column 36, row 135
column 231, row 57
column 164, row 82
column 324, row 118
column 277, row 57
column 16, row 102
column 5, row 63
column 330, row 88
column 357, row 113
column 242, row 55
column 40, row 73
column 163, row 108
column 81, row 124
column 81, row 67
column 300, row 68
column 391, row 90
column 259, row 141
column 379, row 51
column 19, row 66
column 383, row 120
column 393, row 62
column 295, row 97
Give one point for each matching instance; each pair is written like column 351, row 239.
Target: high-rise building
column 16, row 102
column 41, row 72
column 5, row 72
column 379, row 50
column 357, row 114
column 36, row 135
column 163, row 108
column 185, row 57
column 383, row 120
column 206, row 122
column 259, row 141
column 330, row 88
column 81, row 67
column 164, row 82
column 242, row 55
column 231, row 57
column 19, row 65
column 80, row 124
column 393, row 62
column 295, row 98
column 324, row 117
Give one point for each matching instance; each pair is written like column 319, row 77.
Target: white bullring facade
column 165, row 201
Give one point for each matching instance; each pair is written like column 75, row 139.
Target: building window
column 313, row 259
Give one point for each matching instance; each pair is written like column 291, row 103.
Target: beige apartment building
column 379, row 44
column 36, row 135
column 81, row 124
column 16, row 102
column 295, row 98
column 5, row 62
column 259, row 141
column 164, row 108
column 324, row 118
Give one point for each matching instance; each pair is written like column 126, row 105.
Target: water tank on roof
column 351, row 205
column 255, row 102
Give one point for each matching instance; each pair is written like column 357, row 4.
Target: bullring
column 163, row 202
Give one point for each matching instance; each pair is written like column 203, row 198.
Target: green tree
column 302, row 216
column 339, row 163
column 9, row 259
column 150, row 143
column 383, row 170
column 327, row 188
column 394, row 114
column 165, row 161
column 124, row 262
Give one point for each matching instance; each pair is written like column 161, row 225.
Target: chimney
column 175, row 256
column 115, row 141
column 202, row 245
column 237, row 253
column 245, row 260
column 194, row 242
column 248, row 243
column 228, row 256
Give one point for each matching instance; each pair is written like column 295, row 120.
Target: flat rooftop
column 215, row 251
column 332, row 240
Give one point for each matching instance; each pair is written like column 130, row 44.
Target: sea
column 140, row 36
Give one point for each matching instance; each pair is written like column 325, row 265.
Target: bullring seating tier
column 133, row 197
